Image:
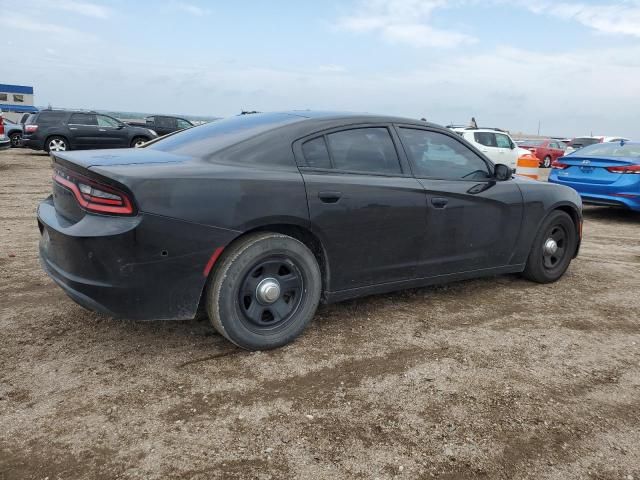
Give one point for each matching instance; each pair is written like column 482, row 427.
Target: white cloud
column 83, row 8
column 22, row 22
column 191, row 9
column 619, row 18
column 403, row 21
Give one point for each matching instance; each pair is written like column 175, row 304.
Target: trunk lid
column 86, row 159
column 593, row 170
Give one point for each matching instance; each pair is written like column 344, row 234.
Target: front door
column 366, row 208
column 112, row 133
column 473, row 221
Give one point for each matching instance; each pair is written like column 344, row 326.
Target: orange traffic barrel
column 528, row 166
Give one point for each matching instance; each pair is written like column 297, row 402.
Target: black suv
column 60, row 130
column 163, row 124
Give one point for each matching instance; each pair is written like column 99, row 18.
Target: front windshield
column 611, row 150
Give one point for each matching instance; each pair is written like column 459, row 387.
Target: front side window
column 104, row 121
column 487, row 139
column 502, row 141
column 83, row 119
column 183, row 123
column 368, row 150
column 316, row 154
column 436, row 155
column 18, row 98
column 3, row 97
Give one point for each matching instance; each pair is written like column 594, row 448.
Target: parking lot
column 491, row 378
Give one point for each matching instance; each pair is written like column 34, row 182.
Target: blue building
column 16, row 100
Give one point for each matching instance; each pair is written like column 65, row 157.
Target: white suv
column 494, row 143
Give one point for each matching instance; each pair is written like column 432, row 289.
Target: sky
column 571, row 67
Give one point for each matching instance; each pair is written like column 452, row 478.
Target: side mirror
column 120, row 126
column 502, row 172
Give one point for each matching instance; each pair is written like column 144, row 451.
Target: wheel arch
column 576, row 216
column 307, row 237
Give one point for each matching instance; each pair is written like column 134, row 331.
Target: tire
column 247, row 270
column 546, row 163
column 544, row 266
column 56, row 144
column 137, row 142
column 16, row 139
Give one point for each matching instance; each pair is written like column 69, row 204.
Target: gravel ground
column 491, row 378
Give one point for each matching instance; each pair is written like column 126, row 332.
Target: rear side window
column 316, row 154
column 83, row 119
column 50, row 117
column 436, row 155
column 368, row 150
column 487, row 139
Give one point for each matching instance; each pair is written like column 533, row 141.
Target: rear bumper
column 614, row 195
column 145, row 267
column 32, row 143
column 5, row 143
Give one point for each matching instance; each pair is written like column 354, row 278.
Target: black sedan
column 258, row 218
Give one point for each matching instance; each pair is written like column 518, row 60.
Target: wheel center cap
column 550, row 247
column 268, row 290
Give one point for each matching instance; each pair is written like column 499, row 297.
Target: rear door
column 84, row 130
column 488, row 145
column 473, row 221
column 364, row 204
column 165, row 125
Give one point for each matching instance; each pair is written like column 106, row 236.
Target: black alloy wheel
column 271, row 292
column 263, row 290
column 553, row 248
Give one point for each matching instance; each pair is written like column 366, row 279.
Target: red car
column 546, row 150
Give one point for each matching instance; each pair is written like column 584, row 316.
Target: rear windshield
column 530, row 143
column 212, row 137
column 583, row 142
column 611, row 150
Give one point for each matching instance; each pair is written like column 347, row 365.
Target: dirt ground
column 493, row 378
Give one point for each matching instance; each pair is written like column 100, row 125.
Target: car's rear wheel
column 553, row 248
column 56, row 144
column 546, row 163
column 138, row 142
column 16, row 139
column 264, row 291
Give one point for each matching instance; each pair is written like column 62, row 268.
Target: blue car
column 603, row 174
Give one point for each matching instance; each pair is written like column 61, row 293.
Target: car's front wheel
column 56, row 144
column 139, row 142
column 553, row 248
column 264, row 291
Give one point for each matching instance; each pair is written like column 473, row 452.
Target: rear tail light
column 94, row 196
column 559, row 165
column 625, row 169
column 30, row 128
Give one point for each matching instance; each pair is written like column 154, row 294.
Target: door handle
column 329, row 197
column 72, row 128
column 439, row 202
column 102, row 130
